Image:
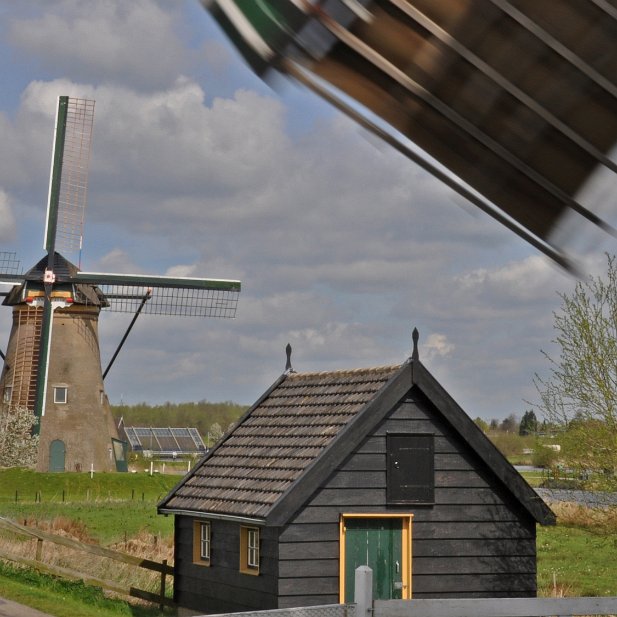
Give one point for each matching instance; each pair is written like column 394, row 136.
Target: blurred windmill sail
column 52, row 365
column 512, row 103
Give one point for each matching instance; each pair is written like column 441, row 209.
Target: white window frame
column 205, row 535
column 249, row 550
column 58, row 400
column 252, row 548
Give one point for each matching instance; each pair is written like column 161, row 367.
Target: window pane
column 60, row 394
column 205, row 541
column 253, row 548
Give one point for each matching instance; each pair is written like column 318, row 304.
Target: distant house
column 328, row 471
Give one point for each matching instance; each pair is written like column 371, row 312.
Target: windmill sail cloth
column 516, row 98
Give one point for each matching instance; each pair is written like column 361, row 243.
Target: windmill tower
column 52, row 364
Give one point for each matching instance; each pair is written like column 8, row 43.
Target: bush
column 544, row 457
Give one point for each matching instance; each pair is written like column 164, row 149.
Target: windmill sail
column 68, row 187
column 182, row 296
column 510, row 105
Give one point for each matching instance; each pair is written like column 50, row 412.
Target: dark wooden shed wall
column 222, row 588
column 476, row 541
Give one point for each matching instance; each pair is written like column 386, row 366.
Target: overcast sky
column 199, row 168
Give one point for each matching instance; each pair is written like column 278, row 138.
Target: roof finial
column 288, row 368
column 415, row 335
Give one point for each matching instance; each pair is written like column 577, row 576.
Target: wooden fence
column 163, row 568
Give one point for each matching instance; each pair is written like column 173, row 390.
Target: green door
column 376, row 543
column 57, row 454
column 119, row 449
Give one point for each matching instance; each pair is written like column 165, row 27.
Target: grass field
column 23, row 485
column 576, row 557
column 112, row 507
column 574, row 561
column 113, row 510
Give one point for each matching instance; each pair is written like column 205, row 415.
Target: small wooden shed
column 328, row 471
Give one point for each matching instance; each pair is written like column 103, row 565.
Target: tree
column 481, row 424
column 529, row 423
column 18, row 446
column 509, row 424
column 580, row 393
column 215, row 432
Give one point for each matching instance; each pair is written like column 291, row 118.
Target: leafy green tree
column 529, row 423
column 509, row 424
column 580, row 393
column 481, row 424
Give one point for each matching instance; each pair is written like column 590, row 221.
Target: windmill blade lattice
column 68, row 188
column 187, row 297
column 10, row 269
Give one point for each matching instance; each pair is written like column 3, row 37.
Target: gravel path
column 8, row 608
column 587, row 498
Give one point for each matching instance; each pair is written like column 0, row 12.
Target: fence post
column 39, row 549
column 363, row 593
column 163, row 577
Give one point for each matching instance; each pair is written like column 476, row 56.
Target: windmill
column 52, row 364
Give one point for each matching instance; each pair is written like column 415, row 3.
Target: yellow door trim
column 407, row 518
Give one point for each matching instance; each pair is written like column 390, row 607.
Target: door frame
column 406, row 520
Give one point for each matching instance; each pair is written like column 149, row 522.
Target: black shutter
column 411, row 469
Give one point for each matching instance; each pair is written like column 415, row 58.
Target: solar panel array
column 165, row 441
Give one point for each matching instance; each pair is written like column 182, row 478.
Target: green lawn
column 66, row 598
column 24, row 485
column 579, row 561
column 574, row 560
column 112, row 507
column 109, row 508
column 534, row 478
column 106, row 522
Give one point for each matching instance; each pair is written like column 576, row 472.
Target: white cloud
column 182, row 270
column 437, row 345
column 117, row 260
column 133, row 43
column 341, row 247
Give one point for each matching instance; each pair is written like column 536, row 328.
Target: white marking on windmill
column 60, row 377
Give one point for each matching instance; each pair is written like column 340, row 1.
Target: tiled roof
column 276, row 441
